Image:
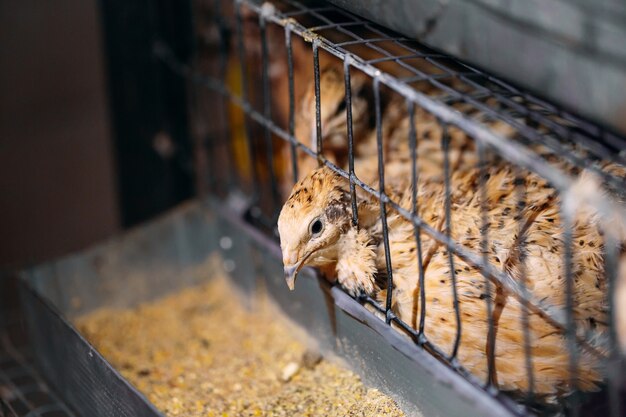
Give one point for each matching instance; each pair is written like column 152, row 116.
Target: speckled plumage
column 332, row 118
column 395, row 129
column 540, row 226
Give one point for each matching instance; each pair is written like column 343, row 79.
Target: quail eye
column 316, row 227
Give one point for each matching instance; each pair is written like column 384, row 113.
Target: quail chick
column 529, row 246
column 334, row 128
column 315, row 229
column 587, row 192
column 333, row 120
column 395, row 131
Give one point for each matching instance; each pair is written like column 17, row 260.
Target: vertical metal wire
column 484, row 247
column 614, row 376
column 414, row 212
column 521, row 244
column 383, row 199
column 267, row 113
column 348, row 98
column 206, row 171
column 445, row 144
column 243, row 68
column 570, row 330
column 292, row 103
column 206, row 179
column 318, row 116
column 224, row 53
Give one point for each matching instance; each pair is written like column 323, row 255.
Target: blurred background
column 66, row 179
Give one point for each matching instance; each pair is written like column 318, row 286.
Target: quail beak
column 291, row 272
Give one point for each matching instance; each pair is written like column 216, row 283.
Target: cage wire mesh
column 23, row 393
column 278, row 89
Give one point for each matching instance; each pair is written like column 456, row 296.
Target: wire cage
column 278, row 89
column 24, row 393
column 22, row 390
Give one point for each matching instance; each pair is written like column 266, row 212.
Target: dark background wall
column 93, row 127
column 57, row 177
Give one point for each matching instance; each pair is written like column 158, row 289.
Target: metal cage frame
column 534, row 120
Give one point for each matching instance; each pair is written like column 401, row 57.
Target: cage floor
column 23, row 392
